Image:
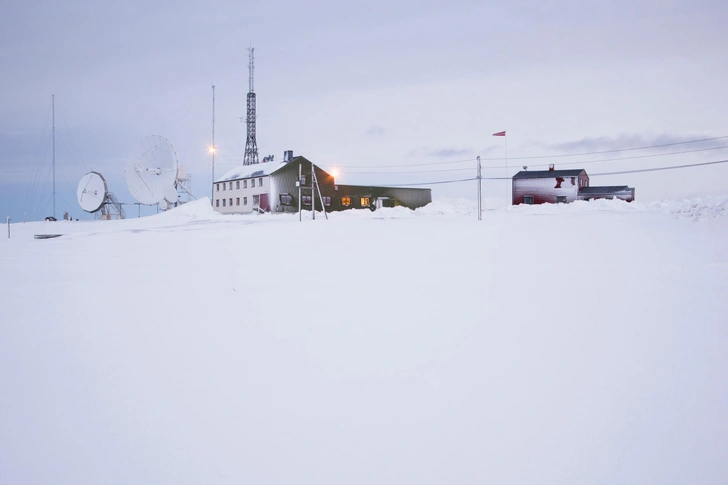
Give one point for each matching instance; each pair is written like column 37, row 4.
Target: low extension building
column 561, row 186
column 273, row 187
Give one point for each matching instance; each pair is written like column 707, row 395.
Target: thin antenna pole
column 300, row 165
column 321, row 197
column 53, row 102
column 213, row 148
column 480, row 198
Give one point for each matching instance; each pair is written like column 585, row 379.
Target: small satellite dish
column 170, row 194
column 92, row 191
column 152, row 170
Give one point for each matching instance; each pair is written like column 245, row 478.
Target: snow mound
column 198, row 210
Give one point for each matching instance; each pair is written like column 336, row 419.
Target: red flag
column 500, row 133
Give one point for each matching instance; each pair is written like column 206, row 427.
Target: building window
column 561, row 199
column 231, row 201
column 303, row 180
column 256, row 200
column 286, row 199
column 237, row 184
column 223, row 186
column 245, row 201
column 306, row 199
column 231, row 186
column 365, row 201
column 223, row 202
column 245, row 184
column 327, row 201
column 260, row 182
column 237, row 201
column 217, row 202
column 217, row 187
column 346, row 201
column 252, row 182
column 528, row 199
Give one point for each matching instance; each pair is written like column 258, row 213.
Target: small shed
column 548, row 186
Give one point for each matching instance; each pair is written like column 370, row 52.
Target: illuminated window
column 252, row 182
column 346, row 201
column 245, row 184
column 306, row 199
column 365, row 201
column 327, row 201
column 237, row 184
column 286, row 199
column 237, row 201
column 260, row 182
column 223, row 202
column 245, row 201
column 217, row 203
column 256, row 200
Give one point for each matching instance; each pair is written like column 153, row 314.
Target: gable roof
column 256, row 170
column 548, row 174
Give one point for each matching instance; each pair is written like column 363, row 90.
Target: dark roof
column 543, row 174
column 609, row 189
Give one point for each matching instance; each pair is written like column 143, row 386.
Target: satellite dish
column 92, row 191
column 170, row 194
column 152, row 169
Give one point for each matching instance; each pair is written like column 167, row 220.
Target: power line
column 431, row 183
column 659, row 168
column 662, row 145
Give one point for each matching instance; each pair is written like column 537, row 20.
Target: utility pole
column 53, row 102
column 480, row 198
column 8, row 227
column 213, row 148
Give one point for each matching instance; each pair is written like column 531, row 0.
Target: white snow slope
column 572, row 344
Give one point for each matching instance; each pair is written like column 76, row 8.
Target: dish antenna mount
column 94, row 197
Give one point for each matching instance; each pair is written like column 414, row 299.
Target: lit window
column 237, row 201
column 260, row 182
column 528, row 199
column 327, row 201
column 256, row 200
column 223, row 202
column 286, row 199
column 237, row 184
column 217, row 203
column 306, row 199
column 346, row 201
column 252, row 182
column 245, row 184
column 365, row 201
column 245, row 201
column 217, row 187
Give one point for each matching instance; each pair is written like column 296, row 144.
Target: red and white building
column 562, row 186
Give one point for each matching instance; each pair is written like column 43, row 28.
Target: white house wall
column 242, row 193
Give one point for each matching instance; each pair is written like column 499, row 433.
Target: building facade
column 273, row 187
column 561, row 186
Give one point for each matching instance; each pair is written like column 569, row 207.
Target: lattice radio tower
column 251, row 145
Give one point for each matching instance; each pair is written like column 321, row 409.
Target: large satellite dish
column 151, row 172
column 91, row 192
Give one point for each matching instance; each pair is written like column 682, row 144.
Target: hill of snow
column 554, row 344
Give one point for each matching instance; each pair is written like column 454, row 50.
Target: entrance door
column 264, row 203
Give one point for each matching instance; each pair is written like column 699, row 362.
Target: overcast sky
column 358, row 85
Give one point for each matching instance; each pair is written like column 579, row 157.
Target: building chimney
column 551, row 167
column 525, row 168
column 288, row 155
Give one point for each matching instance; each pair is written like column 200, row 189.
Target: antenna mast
column 53, row 102
column 213, row 148
column 251, row 145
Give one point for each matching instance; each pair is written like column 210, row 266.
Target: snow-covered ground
column 555, row 344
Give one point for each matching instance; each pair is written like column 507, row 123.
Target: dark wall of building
column 285, row 181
